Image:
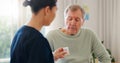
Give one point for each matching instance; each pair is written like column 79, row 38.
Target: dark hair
column 36, row 5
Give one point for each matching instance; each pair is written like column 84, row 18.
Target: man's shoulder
column 55, row 31
column 87, row 30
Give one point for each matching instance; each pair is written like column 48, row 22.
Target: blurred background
column 102, row 16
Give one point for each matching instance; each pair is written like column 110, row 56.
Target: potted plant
column 112, row 58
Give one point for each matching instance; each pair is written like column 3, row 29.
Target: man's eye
column 77, row 19
column 69, row 19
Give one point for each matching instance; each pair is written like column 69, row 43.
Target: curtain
column 24, row 13
column 109, row 24
column 19, row 15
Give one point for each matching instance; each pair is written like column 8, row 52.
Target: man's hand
column 59, row 53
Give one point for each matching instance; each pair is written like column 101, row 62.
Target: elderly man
column 82, row 42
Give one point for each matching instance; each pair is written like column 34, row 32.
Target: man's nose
column 73, row 22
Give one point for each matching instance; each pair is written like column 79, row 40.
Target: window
column 8, row 27
column 6, row 33
column 12, row 16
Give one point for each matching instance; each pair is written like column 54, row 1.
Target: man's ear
column 47, row 10
column 83, row 20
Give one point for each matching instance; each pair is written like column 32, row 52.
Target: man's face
column 73, row 21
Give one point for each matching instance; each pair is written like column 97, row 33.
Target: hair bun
column 26, row 3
